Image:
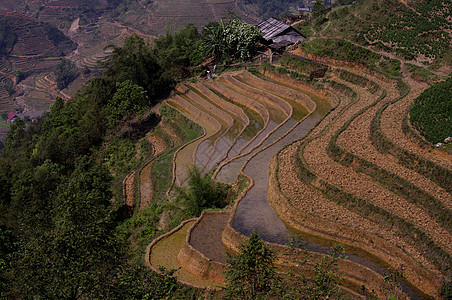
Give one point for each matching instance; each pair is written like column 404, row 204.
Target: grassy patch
column 420, row 31
column 305, row 30
column 301, row 65
column 343, row 50
column 162, row 174
column 343, row 89
column 242, row 183
column 389, row 67
column 421, row 72
column 447, row 147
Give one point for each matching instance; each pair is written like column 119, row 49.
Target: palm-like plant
column 214, row 40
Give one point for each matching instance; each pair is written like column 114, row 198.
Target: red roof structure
column 11, row 116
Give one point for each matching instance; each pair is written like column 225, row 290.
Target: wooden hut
column 278, row 35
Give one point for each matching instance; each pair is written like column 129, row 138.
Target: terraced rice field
column 164, row 253
column 354, row 175
column 237, row 117
column 350, row 175
column 152, row 179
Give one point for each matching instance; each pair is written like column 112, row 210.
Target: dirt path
column 129, row 189
column 74, row 27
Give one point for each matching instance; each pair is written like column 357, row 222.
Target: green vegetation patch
column 422, row 73
column 342, row 88
column 299, row 64
column 389, row 67
column 340, row 49
column 429, row 169
column 4, row 124
column 352, row 21
column 267, row 9
column 359, row 81
column 418, row 31
column 431, row 112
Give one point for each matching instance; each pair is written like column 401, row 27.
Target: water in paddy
column 270, row 126
column 213, row 146
column 254, row 127
column 222, row 147
column 230, row 171
column 254, row 213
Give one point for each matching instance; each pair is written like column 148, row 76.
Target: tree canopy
column 234, row 38
column 136, row 62
column 66, row 72
column 251, row 273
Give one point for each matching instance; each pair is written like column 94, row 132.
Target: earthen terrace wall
column 196, row 262
column 424, row 280
column 355, row 274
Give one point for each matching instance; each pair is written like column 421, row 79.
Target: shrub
column 251, row 273
column 202, row 192
column 431, row 112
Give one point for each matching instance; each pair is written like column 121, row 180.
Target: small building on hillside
column 11, row 117
column 278, row 34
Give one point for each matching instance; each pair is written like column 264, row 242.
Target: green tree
column 213, row 40
column 139, row 282
column 75, row 253
column 234, row 38
column 16, row 135
column 128, row 98
column 65, row 72
column 318, row 9
column 241, row 39
column 178, row 51
column 251, row 273
column 7, row 36
column 135, row 61
column 202, row 192
column 431, row 112
column 9, row 251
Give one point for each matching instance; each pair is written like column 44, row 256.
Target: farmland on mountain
column 197, row 161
